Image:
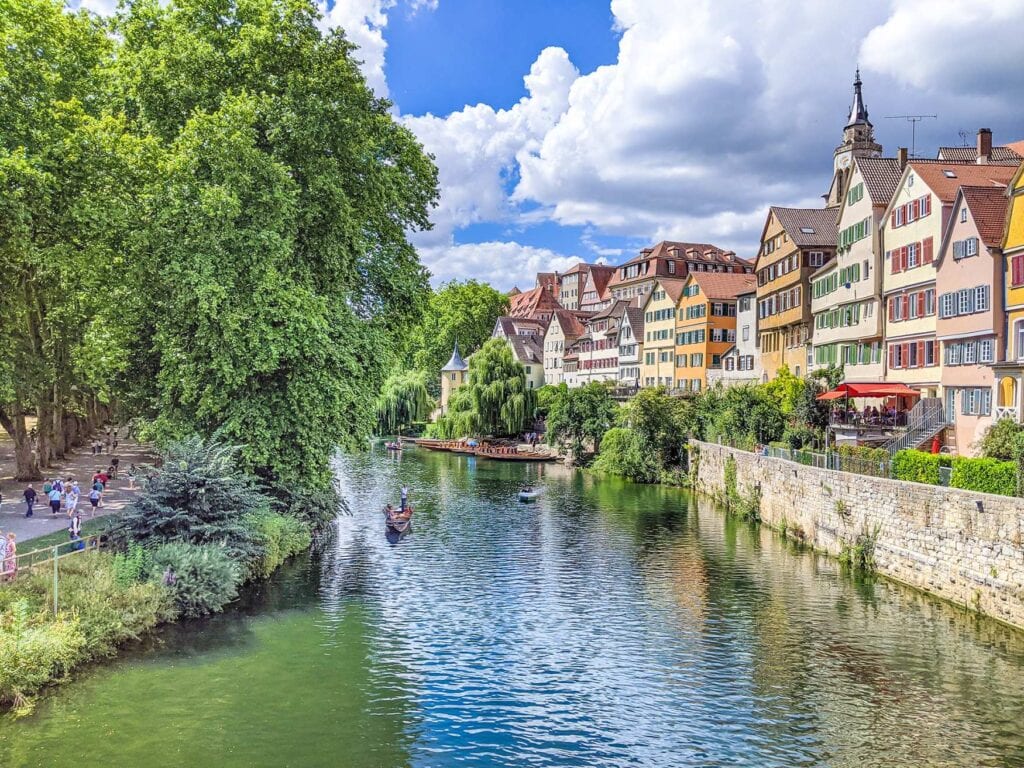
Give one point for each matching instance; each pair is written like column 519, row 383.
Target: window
column 649, row 358
column 913, row 253
column 665, row 357
column 970, row 355
column 1020, row 340
column 947, row 305
column 981, row 298
column 964, row 300
column 807, row 230
column 1017, row 270
column 671, row 267
column 816, row 258
column 985, row 349
column 963, row 214
column 746, row 333
column 948, row 173
column 696, row 360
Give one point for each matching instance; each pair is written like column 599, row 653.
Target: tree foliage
column 463, row 312
column 403, row 400
column 623, row 454
column 662, row 423
column 579, row 417
column 498, row 391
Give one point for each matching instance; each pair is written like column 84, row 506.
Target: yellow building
column 794, row 243
column 706, row 325
column 1009, row 375
column 658, row 365
column 453, row 376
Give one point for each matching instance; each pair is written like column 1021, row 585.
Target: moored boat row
column 496, row 452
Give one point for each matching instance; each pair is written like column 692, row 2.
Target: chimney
column 901, row 157
column 984, row 145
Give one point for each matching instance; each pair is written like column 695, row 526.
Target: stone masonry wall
column 940, row 540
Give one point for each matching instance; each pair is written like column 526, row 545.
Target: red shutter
column 926, row 248
column 892, row 356
column 920, row 354
column 914, row 210
column 903, row 258
column 1018, row 270
column 894, row 219
column 906, row 355
column 906, row 306
column 926, row 205
column 920, row 304
column 894, row 259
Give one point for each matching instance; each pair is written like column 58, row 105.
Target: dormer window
column 910, row 180
column 948, row 173
column 807, row 230
column 963, row 214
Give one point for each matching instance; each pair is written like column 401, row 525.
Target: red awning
column 881, row 389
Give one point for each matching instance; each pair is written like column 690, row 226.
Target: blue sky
column 574, row 129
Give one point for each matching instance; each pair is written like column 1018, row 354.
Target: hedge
column 985, row 475
column 919, row 466
column 863, row 460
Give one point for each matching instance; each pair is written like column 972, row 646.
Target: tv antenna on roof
column 913, row 120
column 963, row 136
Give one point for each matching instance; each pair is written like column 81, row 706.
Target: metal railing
column 52, row 555
column 925, row 420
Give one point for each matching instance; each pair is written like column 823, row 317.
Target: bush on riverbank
column 278, row 537
column 985, row 475
column 919, row 466
column 98, row 613
column 622, row 454
column 201, row 578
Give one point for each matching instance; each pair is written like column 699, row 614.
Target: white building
column 741, row 363
column 631, row 346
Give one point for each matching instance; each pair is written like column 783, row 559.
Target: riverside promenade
column 79, row 464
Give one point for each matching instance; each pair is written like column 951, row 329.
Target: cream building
column 846, row 293
column 565, row 327
column 526, row 337
column 453, row 375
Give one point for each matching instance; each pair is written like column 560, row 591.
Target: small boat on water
column 432, row 444
column 529, row 493
column 502, row 454
column 395, row 520
column 393, row 446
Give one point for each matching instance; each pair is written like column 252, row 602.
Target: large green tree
column 457, row 312
column 499, row 399
column 403, row 400
column 275, row 255
column 579, row 417
column 70, row 181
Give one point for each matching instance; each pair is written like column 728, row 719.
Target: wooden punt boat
column 397, row 524
column 432, row 445
column 515, row 455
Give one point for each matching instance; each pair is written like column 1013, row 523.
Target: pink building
column 969, row 295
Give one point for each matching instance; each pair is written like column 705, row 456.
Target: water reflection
column 606, row 624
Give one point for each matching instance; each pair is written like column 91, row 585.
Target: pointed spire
column 858, row 112
column 456, row 363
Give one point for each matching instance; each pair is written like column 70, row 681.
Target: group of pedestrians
column 67, row 493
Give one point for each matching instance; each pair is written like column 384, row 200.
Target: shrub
column 198, row 496
column 863, row 459
column 1002, row 440
column 985, row 475
column 33, row 653
column 132, row 566
column 201, row 578
column 279, row 538
column 919, row 466
column 622, row 454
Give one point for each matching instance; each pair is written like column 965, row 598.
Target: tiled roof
column 569, row 322
column 808, row 227
column 533, row 301
column 723, row 285
column 881, row 177
column 635, row 315
column 527, row 349
column 601, row 274
column 1000, row 155
column 579, row 266
column 988, row 209
column 667, row 250
column 673, row 287
column 615, row 309
column 945, row 186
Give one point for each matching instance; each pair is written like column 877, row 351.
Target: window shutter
column 892, row 356
column 920, row 354
column 926, row 205
column 913, row 210
column 903, row 258
column 920, row 304
column 927, row 248
column 906, row 306
column 905, row 354
column 894, row 219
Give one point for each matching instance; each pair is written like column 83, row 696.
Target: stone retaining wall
column 959, row 545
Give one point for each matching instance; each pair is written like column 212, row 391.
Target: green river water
column 606, row 625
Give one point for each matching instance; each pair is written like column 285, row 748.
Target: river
column 608, row 624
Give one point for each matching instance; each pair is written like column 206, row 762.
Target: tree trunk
column 44, row 420
column 13, row 421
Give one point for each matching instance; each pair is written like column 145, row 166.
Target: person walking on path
column 94, row 496
column 114, row 462
column 131, row 476
column 54, row 500
column 71, row 501
column 30, row 499
column 3, row 550
column 11, row 558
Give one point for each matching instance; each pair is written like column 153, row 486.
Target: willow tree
column 403, row 400
column 498, row 390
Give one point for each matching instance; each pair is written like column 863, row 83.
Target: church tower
column 858, row 141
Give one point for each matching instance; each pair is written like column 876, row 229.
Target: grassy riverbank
column 200, row 528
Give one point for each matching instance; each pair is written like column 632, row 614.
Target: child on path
column 30, row 499
column 71, row 501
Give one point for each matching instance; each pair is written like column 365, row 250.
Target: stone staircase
column 925, row 421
